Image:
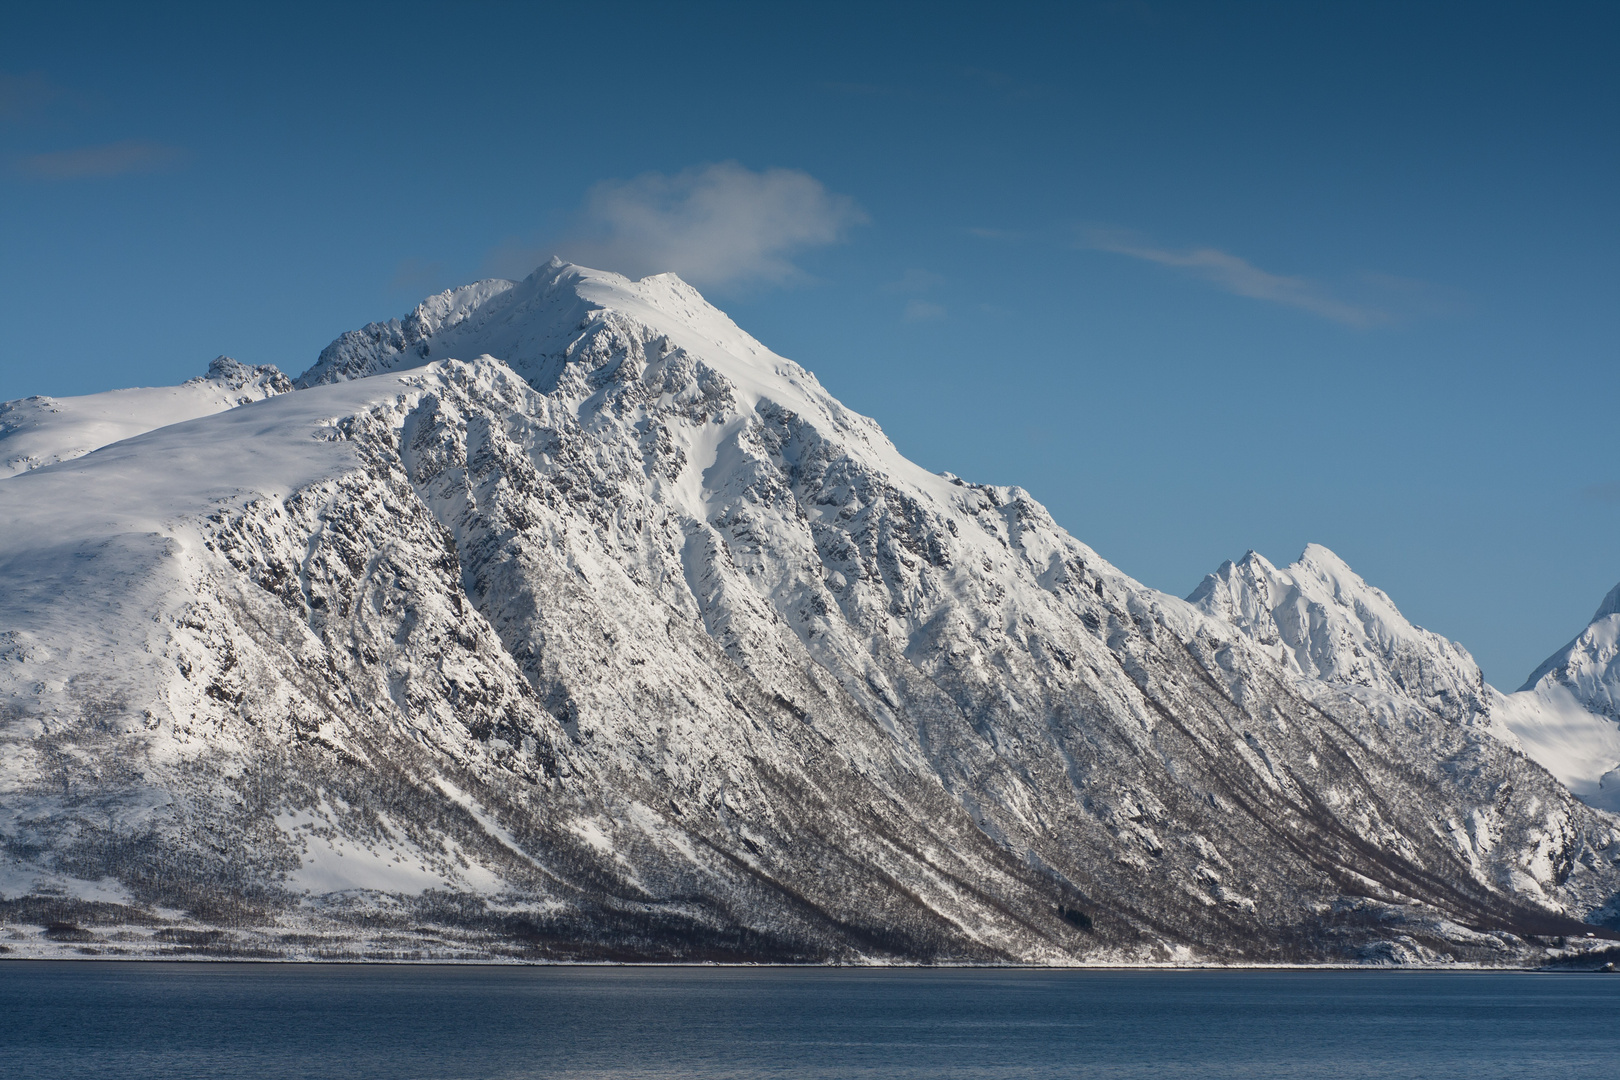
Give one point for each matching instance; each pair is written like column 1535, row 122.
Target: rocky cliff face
column 564, row 619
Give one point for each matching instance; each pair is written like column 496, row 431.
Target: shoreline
column 1543, row 969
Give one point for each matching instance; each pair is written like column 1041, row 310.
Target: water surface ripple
column 271, row 1021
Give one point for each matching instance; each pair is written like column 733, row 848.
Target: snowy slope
column 563, row 618
column 1573, row 743
column 40, row 431
column 1567, row 714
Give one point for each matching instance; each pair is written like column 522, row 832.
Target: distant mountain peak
column 1330, row 628
column 1610, row 605
column 1330, row 625
column 1567, row 714
column 1589, row 666
column 234, row 375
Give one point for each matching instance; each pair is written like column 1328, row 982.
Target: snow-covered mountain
column 563, row 618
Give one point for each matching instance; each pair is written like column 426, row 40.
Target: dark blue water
column 133, row 1021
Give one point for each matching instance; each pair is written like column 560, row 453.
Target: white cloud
column 917, row 282
column 1236, row 275
column 712, row 224
column 111, row 159
column 1416, row 299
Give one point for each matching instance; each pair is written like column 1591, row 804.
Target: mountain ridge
column 40, row 431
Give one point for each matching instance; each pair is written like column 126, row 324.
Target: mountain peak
column 1610, row 605
column 1252, row 559
column 1567, row 713
column 1589, row 666
column 1321, row 556
column 534, row 325
column 1329, row 625
column 231, row 373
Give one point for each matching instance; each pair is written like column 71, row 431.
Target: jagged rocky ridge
column 562, row 619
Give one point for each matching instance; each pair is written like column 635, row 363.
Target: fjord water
column 139, row 1020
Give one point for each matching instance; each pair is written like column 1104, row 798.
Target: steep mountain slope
column 42, row 430
column 562, row 618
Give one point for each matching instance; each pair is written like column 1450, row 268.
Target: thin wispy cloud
column 109, row 159
column 1415, row 299
column 994, row 234
column 917, row 281
column 922, row 311
column 720, row 224
column 1240, row 277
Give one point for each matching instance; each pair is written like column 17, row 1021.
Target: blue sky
column 1202, row 277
